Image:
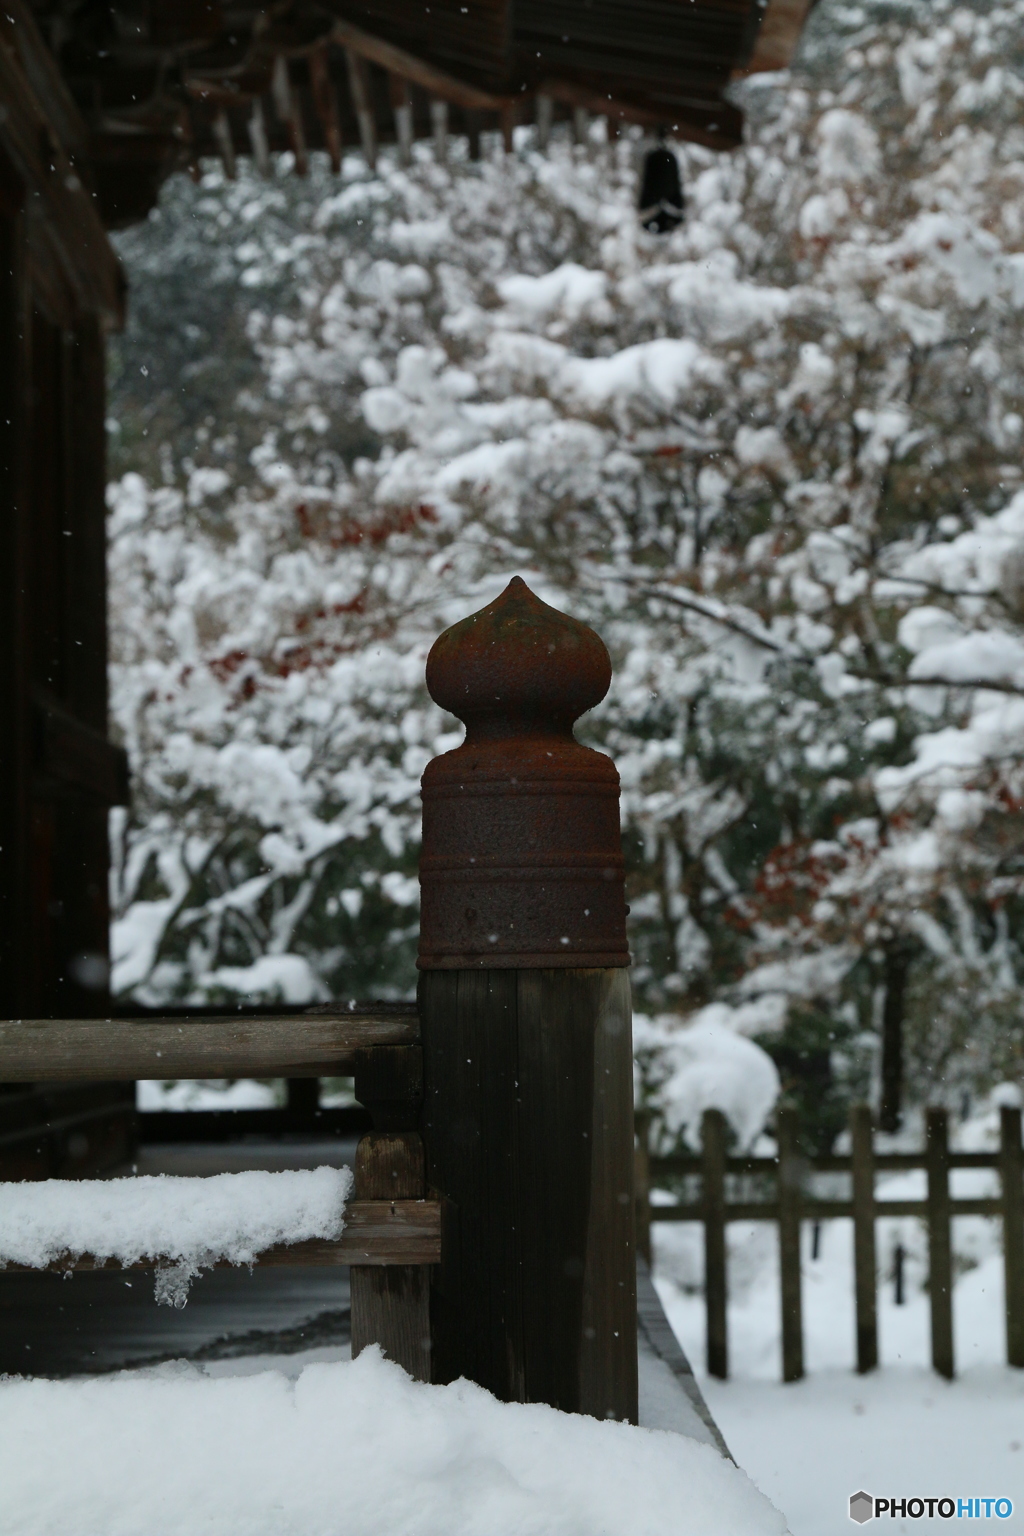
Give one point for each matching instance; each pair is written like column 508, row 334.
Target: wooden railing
column 235, row 1045
column 392, row 1230
column 789, row 1204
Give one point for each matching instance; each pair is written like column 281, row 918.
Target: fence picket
column 713, row 1150
column 1011, row 1167
column 940, row 1247
column 864, row 1261
column 789, row 1246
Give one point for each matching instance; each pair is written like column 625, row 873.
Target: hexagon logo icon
column 862, row 1507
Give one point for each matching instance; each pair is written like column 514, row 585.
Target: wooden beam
column 398, row 62
column 122, row 1050
column 777, row 37
column 376, row 1232
column 691, row 124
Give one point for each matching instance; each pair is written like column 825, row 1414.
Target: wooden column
column 864, row 1259
column 790, row 1168
column 1011, row 1168
column 940, row 1247
column 713, row 1150
column 526, row 1023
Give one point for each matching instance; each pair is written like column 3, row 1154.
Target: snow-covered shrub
column 703, row 1063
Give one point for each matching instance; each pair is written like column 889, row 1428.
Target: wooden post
column 361, row 88
column 713, row 1149
column 1011, row 1168
column 545, row 109
column 439, row 127
column 642, row 1183
column 303, row 1102
column 391, row 1303
column 401, row 105
column 325, row 101
column 526, row 1022
column 474, row 122
column 789, row 1246
column 225, row 143
column 286, row 104
column 940, row 1248
column 258, row 140
column 864, row 1260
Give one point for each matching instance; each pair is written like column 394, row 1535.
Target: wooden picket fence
column 789, row 1204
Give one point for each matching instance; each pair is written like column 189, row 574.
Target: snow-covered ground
column 900, row 1431
column 354, row 1447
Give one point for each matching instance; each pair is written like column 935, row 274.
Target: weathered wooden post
column 391, row 1303
column 1011, row 1167
column 865, row 1266
column 940, row 1244
column 525, row 1014
column 790, row 1193
column 714, row 1136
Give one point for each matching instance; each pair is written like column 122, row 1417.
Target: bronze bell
column 521, row 865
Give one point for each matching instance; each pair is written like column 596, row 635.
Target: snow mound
column 186, row 1223
column 706, row 1064
column 357, row 1448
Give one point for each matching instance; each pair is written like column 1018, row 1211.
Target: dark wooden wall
column 58, row 774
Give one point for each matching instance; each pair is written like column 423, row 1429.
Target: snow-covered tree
column 774, row 457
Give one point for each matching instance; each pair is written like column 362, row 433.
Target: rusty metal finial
column 521, row 865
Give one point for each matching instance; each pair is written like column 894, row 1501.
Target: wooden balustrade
column 392, row 1230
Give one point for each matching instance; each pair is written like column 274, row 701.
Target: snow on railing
column 180, row 1225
